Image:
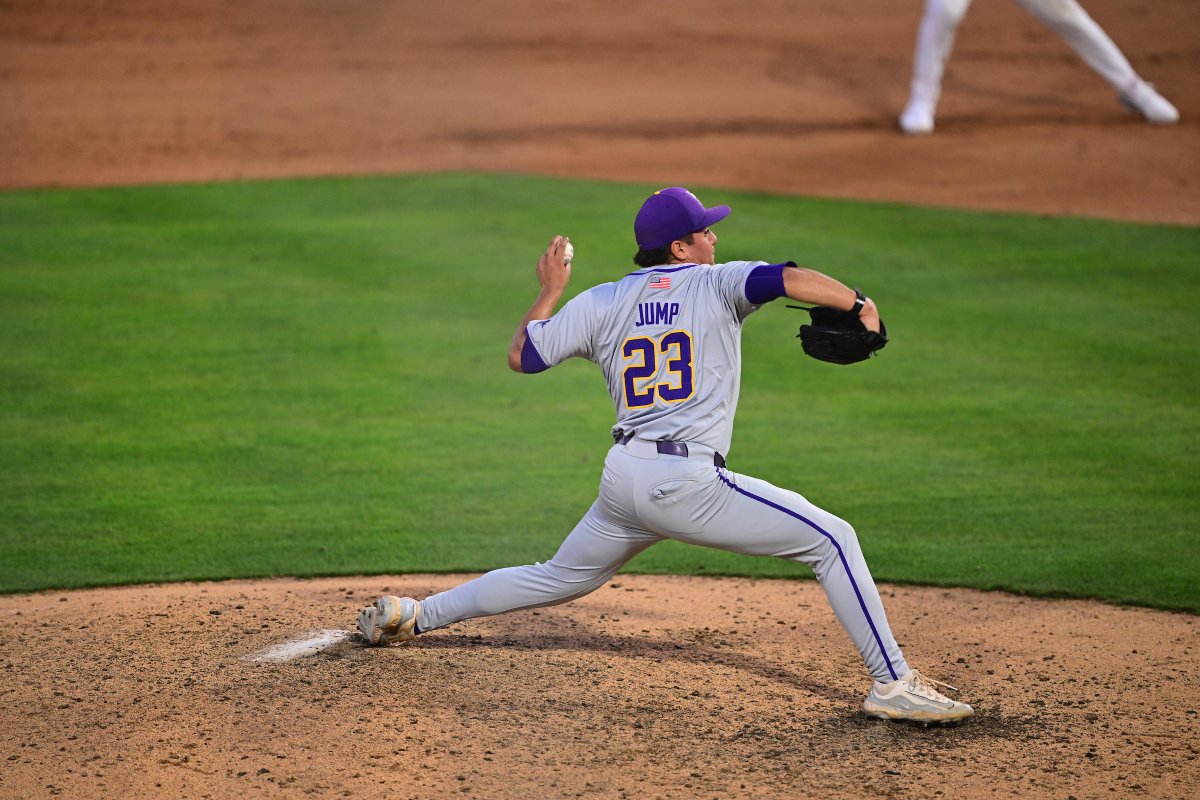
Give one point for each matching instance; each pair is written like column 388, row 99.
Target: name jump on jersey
column 656, row 314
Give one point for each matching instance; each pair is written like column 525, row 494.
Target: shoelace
column 923, row 683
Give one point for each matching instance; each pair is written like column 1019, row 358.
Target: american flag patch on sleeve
column 660, row 282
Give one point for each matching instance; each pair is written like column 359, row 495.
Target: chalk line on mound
column 298, row 648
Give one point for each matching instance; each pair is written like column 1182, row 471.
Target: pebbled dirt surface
column 667, row 687
column 792, row 97
column 651, row 687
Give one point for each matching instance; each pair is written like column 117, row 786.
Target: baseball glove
column 839, row 337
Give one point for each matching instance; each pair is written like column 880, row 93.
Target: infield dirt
column 668, row 687
column 651, row 687
column 793, row 97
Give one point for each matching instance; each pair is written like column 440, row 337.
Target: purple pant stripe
column 841, row 556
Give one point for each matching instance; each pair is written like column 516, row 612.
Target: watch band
column 860, row 300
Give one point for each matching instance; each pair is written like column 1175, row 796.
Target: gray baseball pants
column 646, row 497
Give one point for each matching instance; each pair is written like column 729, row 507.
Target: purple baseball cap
column 671, row 214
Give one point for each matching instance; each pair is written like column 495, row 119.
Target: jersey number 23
column 643, row 357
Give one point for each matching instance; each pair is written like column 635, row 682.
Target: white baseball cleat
column 913, row 698
column 1142, row 99
column 917, row 118
column 391, row 619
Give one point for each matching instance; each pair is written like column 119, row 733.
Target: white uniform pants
column 935, row 38
column 646, row 497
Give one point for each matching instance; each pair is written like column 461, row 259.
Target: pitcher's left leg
column 757, row 518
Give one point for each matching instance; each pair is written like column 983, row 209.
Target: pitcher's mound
column 650, row 687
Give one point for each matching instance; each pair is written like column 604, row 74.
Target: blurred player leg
column 935, row 39
column 1068, row 19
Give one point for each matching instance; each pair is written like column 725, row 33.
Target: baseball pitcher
column 667, row 337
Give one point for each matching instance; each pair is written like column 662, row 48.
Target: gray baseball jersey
column 668, row 340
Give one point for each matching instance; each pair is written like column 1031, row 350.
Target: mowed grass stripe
column 308, row 378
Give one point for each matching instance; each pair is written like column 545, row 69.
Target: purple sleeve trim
column 531, row 359
column 765, row 283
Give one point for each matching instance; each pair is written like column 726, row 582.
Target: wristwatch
column 860, row 300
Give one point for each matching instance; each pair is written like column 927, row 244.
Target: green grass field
column 308, row 378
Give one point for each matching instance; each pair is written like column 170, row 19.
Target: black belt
column 670, row 448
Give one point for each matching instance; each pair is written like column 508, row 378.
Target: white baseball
column 569, row 253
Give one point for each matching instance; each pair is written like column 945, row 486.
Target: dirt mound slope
column 667, row 687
